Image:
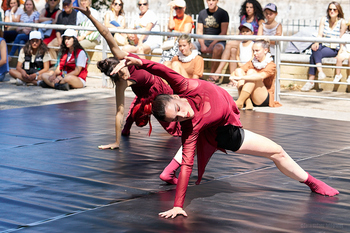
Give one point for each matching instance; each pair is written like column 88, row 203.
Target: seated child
column 271, row 27
column 245, row 49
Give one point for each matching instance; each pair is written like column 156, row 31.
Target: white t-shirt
column 18, row 12
column 118, row 19
column 347, row 46
column 81, row 59
column 148, row 17
column 245, row 52
column 84, row 21
column 21, row 57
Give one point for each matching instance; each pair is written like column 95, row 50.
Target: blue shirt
column 4, row 68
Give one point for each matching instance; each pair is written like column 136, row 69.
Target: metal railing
column 277, row 39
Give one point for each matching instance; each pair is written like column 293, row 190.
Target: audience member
column 212, row 21
column 30, row 15
column 33, row 61
column 71, row 72
column 12, row 15
column 245, row 48
column 147, row 21
column 49, row 15
column 181, row 22
column 87, row 39
column 4, row 63
column 271, row 27
column 250, row 12
column 187, row 63
column 256, row 78
column 67, row 17
column 40, row 5
column 331, row 26
column 114, row 18
column 343, row 54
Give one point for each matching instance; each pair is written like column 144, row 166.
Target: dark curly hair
column 42, row 49
column 258, row 12
column 107, row 65
column 159, row 104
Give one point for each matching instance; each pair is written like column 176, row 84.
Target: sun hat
column 179, row 3
column 271, row 7
column 247, row 25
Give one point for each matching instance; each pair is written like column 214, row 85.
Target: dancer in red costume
column 209, row 121
column 142, row 83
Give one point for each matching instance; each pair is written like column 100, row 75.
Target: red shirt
column 69, row 65
column 148, row 85
column 213, row 107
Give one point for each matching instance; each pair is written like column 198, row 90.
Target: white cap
column 35, row 35
column 180, row 3
column 70, row 33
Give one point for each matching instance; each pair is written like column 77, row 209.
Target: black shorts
column 265, row 103
column 230, row 137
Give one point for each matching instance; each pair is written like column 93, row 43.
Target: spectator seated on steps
column 71, row 71
column 33, row 61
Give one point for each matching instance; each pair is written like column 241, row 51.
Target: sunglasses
column 66, row 4
column 142, row 4
column 118, row 4
column 332, row 9
column 53, row 0
column 178, row 8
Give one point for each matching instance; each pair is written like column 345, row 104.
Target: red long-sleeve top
column 213, row 107
column 148, row 85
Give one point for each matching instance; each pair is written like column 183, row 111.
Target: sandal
column 212, row 79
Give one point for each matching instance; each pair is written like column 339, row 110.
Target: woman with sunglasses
column 71, row 71
column 114, row 18
column 147, row 21
column 33, row 61
column 331, row 26
column 49, row 15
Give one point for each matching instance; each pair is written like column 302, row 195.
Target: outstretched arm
column 116, row 51
column 176, row 81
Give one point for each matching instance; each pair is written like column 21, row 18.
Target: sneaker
column 308, row 86
column 348, row 80
column 43, row 84
column 63, row 87
column 337, row 78
column 321, row 75
column 20, row 82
